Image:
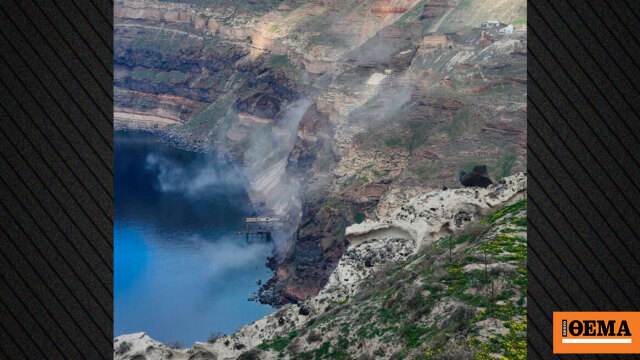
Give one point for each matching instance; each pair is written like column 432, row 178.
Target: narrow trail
column 160, row 29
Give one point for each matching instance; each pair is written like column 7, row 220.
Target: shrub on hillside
column 314, row 336
column 175, row 344
column 215, row 336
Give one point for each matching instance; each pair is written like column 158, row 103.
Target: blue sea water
column 180, row 271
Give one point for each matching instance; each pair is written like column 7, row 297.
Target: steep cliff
column 339, row 111
column 442, row 277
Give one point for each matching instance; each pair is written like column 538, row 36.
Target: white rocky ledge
column 430, row 216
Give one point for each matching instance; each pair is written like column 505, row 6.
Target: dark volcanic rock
column 203, row 355
column 476, row 177
column 368, row 262
column 320, row 242
column 260, row 104
column 307, row 253
column 304, row 310
column 271, row 293
column 252, row 354
column 272, row 262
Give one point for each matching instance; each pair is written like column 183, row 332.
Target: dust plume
column 270, row 185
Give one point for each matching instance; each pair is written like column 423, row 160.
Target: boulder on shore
column 478, row 176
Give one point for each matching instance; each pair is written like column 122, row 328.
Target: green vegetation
column 172, row 77
column 515, row 247
column 278, row 343
column 459, row 121
column 421, row 172
column 358, row 217
column 512, row 345
column 413, row 14
column 419, row 131
column 443, row 60
column 511, row 209
column 237, row 78
column 143, row 74
column 465, row 4
column 279, row 60
column 326, row 38
column 320, row 353
column 506, row 164
column 333, row 203
column 433, row 304
column 412, row 135
column 339, row 230
column 519, row 22
column 283, row 63
column 413, row 333
column 256, row 7
column 394, row 142
column 214, row 115
column 208, row 82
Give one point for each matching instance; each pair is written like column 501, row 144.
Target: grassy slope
column 431, row 306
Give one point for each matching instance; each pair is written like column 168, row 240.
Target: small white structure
column 491, row 24
column 507, row 29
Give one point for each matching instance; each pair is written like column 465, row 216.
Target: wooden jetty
column 260, row 227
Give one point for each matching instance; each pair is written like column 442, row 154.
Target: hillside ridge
column 401, row 296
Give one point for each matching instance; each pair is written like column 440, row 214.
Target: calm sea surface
column 181, row 272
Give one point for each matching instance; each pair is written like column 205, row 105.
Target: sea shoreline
column 271, row 262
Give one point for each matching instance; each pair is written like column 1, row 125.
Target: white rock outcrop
column 430, row 216
column 423, row 219
column 373, row 244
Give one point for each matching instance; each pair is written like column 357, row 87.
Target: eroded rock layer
column 340, row 111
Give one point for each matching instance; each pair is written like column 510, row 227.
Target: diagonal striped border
column 583, row 164
column 56, row 183
column 56, row 160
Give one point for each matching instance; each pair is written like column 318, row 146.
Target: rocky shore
column 414, row 231
column 396, row 103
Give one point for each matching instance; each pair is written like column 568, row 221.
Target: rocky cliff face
column 339, row 110
column 444, row 274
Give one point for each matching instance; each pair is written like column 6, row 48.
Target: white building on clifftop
column 507, row 29
column 491, row 24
